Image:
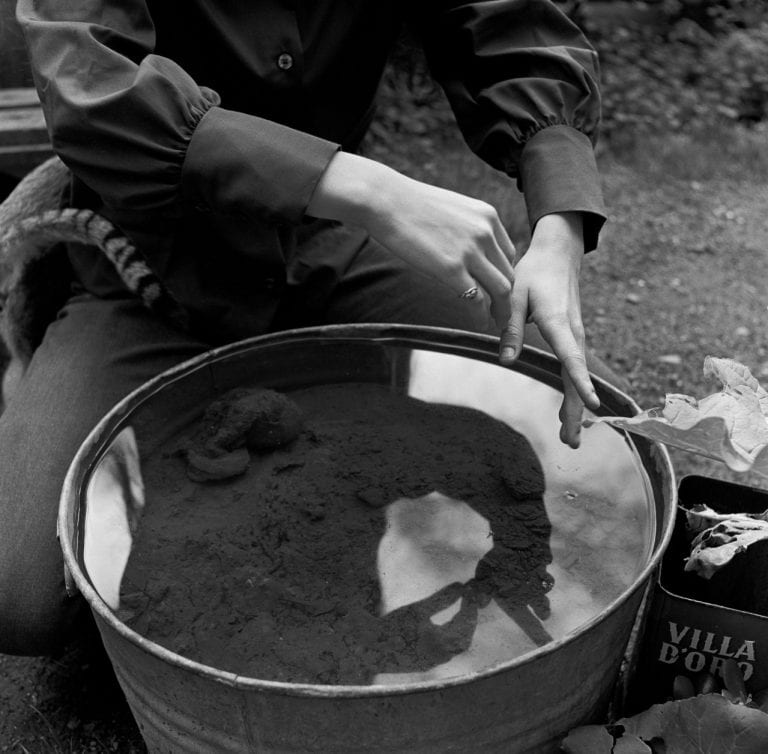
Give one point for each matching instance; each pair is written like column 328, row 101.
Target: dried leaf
column 721, row 537
column 734, row 375
column 729, row 426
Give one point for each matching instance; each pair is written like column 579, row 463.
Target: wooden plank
column 18, row 161
column 22, row 120
column 23, row 136
column 18, row 97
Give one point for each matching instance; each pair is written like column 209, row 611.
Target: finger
column 442, row 598
column 571, row 413
column 497, row 286
column 506, row 246
column 501, row 263
column 470, row 292
column 512, row 334
column 571, row 355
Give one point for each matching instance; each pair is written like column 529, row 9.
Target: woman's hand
column 461, row 242
column 546, row 292
column 458, row 240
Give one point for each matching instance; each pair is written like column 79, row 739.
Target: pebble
column 633, row 298
column 671, row 358
column 702, row 248
column 741, row 332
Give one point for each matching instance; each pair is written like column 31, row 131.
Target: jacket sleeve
column 136, row 129
column 523, row 83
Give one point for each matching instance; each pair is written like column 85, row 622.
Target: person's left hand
column 546, row 292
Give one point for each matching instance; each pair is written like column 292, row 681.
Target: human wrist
column 561, row 231
column 350, row 189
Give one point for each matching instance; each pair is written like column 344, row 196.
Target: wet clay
column 242, row 420
column 274, row 573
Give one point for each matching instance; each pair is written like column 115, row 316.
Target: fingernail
column 507, row 353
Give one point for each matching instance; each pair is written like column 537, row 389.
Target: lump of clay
column 256, row 418
column 252, row 418
column 203, row 468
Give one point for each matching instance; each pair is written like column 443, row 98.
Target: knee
column 36, row 619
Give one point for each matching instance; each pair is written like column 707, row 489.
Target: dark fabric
column 202, row 127
column 561, row 155
column 94, row 354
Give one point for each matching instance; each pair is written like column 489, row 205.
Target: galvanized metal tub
column 525, row 705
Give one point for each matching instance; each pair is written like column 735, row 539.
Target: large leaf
column 701, row 724
column 588, row 739
column 730, row 425
column 704, row 724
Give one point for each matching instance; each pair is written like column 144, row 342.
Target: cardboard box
column 694, row 624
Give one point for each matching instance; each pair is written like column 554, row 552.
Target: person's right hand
column 458, row 240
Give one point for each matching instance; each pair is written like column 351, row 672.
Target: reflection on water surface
column 450, row 564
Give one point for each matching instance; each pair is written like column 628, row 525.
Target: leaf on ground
column 588, row 739
column 721, row 537
column 629, row 744
column 730, row 425
column 708, row 722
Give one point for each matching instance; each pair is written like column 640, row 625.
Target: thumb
column 512, row 334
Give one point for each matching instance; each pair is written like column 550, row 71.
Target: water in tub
column 406, row 535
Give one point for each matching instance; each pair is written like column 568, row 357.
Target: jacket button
column 285, row 62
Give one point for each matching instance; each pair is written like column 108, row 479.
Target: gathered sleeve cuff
column 522, row 81
column 558, row 173
column 142, row 134
column 251, row 167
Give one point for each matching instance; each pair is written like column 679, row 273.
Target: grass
column 727, row 153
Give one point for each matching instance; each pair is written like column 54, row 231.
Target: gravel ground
column 680, row 274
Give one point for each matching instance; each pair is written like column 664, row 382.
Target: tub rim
column 444, row 340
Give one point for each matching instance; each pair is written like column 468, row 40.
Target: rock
column 671, row 358
column 242, row 419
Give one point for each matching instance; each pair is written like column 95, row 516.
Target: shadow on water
column 412, row 532
column 417, row 542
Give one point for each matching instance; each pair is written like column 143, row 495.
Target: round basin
column 497, row 668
